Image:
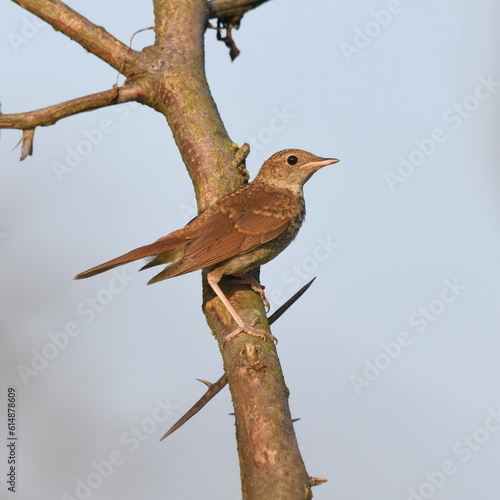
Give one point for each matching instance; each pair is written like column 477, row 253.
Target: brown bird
column 242, row 230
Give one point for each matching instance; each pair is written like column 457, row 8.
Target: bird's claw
column 256, row 287
column 251, row 330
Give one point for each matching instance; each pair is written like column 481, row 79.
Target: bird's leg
column 248, row 279
column 213, row 281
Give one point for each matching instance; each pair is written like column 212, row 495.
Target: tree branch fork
column 95, row 39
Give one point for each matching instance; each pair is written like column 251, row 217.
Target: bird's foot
column 251, row 330
column 248, row 279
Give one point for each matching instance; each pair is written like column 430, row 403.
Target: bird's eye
column 292, row 160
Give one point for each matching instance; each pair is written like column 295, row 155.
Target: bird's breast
column 267, row 251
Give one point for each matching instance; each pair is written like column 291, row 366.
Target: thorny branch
column 216, row 387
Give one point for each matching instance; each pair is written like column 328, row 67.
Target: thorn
column 206, row 382
column 289, row 303
column 315, row 481
column 212, row 390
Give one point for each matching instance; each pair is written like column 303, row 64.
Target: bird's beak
column 316, row 165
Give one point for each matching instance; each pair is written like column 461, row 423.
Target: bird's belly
column 246, row 261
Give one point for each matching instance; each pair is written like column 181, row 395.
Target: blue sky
column 391, row 357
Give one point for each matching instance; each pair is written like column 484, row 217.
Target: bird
column 242, row 230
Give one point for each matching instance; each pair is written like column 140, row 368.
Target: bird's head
column 291, row 168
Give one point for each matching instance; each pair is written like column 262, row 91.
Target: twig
column 27, row 140
column 51, row 114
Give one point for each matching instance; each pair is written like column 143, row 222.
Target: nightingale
column 242, row 230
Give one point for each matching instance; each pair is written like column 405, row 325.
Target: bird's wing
column 223, row 231
column 230, row 231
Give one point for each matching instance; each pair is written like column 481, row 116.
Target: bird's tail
column 164, row 250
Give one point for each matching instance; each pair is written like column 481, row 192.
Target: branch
column 270, row 461
column 94, row 39
column 51, row 114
